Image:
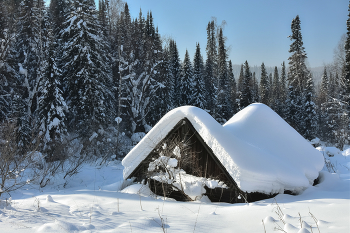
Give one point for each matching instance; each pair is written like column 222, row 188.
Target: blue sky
column 256, row 30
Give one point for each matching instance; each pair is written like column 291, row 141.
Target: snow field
column 92, row 202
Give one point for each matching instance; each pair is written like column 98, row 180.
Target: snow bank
column 260, row 150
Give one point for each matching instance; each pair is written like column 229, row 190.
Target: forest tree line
column 69, row 70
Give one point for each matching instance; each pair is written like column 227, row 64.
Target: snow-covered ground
column 92, row 202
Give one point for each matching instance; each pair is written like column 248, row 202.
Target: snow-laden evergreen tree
column 255, row 89
column 187, row 82
column 175, row 71
column 346, row 76
column 198, row 99
column 58, row 10
column 8, row 71
column 298, row 72
column 140, row 73
column 298, row 76
column 333, row 86
column 264, row 86
column 52, row 107
column 276, row 102
column 233, row 95
column 211, row 68
column 29, row 46
column 270, row 81
column 283, row 87
column 240, row 80
column 162, row 101
column 246, row 96
column 309, row 116
column 324, row 91
column 293, row 107
column 223, row 103
column 103, row 17
column 86, row 70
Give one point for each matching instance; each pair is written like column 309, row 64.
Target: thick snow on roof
column 260, row 151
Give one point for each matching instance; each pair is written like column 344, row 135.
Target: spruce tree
column 187, row 83
column 255, row 89
column 211, row 68
column 264, row 86
column 87, row 71
column 8, row 71
column 223, row 103
column 233, row 89
column 276, row 90
column 298, row 79
column 240, row 80
column 58, row 10
column 198, row 99
column 323, row 95
column 283, row 88
column 52, row 107
column 29, row 46
column 246, row 97
column 346, row 76
column 309, row 116
column 175, row 70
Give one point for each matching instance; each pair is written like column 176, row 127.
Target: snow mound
column 260, row 151
column 49, row 198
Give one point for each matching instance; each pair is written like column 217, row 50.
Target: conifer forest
column 76, row 79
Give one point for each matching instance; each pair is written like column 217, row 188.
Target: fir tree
column 246, row 97
column 29, row 46
column 255, row 89
column 276, row 90
column 223, row 103
column 52, row 107
column 8, row 74
column 298, row 78
column 346, row 75
column 198, row 99
column 58, row 10
column 186, row 85
column 309, row 123
column 323, row 95
column 233, row 89
column 283, row 88
column 175, row 70
column 264, row 86
column 240, row 80
column 211, row 68
column 87, row 71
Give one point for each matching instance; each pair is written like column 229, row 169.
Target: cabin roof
column 259, row 150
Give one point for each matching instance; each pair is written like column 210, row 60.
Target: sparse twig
column 315, row 219
column 197, row 218
column 263, row 225
column 279, row 212
column 301, row 222
column 162, row 223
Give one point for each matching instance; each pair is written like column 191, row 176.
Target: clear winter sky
column 256, row 30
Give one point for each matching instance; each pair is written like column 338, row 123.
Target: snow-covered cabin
column 256, row 153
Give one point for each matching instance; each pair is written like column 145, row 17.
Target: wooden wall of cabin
column 203, row 164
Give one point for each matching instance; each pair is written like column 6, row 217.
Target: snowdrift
column 260, row 151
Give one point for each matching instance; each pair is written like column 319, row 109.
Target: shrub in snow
column 19, row 165
column 167, row 168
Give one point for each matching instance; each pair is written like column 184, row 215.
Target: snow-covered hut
column 256, row 154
